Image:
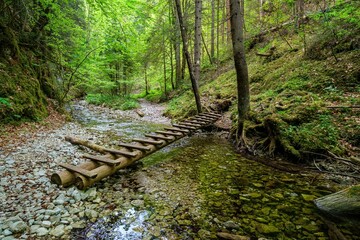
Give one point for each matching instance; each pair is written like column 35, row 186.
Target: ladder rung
column 148, row 141
column 182, row 126
column 202, row 119
column 79, row 170
column 119, row 152
column 207, row 117
column 169, row 133
column 159, row 137
column 195, row 122
column 133, row 146
column 210, row 114
column 177, row 130
column 190, row 124
column 102, row 159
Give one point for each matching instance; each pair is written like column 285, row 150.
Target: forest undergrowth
column 305, row 92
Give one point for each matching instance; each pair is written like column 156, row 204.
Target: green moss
column 354, row 191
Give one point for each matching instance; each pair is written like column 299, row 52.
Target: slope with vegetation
column 305, row 91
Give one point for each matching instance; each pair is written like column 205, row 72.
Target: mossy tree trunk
column 346, row 201
column 242, row 78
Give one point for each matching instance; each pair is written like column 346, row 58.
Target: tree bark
column 177, row 48
column 346, row 201
column 197, row 39
column 188, row 59
column 243, row 93
column 212, row 40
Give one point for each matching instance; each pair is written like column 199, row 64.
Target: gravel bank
column 31, row 207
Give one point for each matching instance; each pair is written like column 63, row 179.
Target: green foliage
column 319, row 135
column 338, row 31
column 112, row 101
column 5, row 101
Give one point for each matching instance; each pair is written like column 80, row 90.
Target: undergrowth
column 292, row 92
column 113, row 101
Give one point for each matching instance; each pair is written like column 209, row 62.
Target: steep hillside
column 305, row 89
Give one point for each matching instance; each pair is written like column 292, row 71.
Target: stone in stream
column 58, row 231
column 18, row 226
column 223, row 235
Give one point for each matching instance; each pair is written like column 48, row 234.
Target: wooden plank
column 177, row 130
column 207, row 116
column 107, row 161
column 119, row 152
column 202, row 119
column 170, row 133
column 190, row 124
column 195, row 122
column 210, row 114
column 159, row 137
column 133, row 146
column 148, row 141
column 79, row 170
column 182, row 126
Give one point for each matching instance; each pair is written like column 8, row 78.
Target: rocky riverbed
column 197, row 188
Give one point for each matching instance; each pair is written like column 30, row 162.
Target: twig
column 341, row 174
column 354, row 106
column 317, row 165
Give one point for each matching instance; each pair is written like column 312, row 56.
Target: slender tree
column 212, row 38
column 237, row 34
column 187, row 55
column 197, row 39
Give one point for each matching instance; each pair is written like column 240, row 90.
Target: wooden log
column 123, row 153
column 148, row 141
column 176, row 134
column 94, row 171
column 190, row 124
column 195, row 121
column 89, row 144
column 346, row 201
column 207, row 120
column 79, row 170
column 102, row 159
column 160, row 137
column 183, row 126
column 134, row 146
column 177, row 130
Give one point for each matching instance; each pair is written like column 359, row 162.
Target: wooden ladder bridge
column 100, row 166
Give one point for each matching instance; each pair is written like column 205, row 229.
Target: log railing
column 99, row 167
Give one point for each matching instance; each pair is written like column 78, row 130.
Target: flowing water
column 199, row 186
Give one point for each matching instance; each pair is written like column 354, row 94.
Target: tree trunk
column 197, row 39
column 164, row 60
column 188, row 59
column 177, row 49
column 243, row 94
column 146, row 81
column 346, row 201
column 217, row 29
column 212, row 40
column 228, row 22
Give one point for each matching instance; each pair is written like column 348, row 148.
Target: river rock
column 137, row 203
column 267, row 229
column 231, row 225
column 58, row 231
column 223, row 235
column 18, row 226
column 42, row 231
column 308, row 198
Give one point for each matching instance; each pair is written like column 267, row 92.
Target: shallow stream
column 199, row 186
